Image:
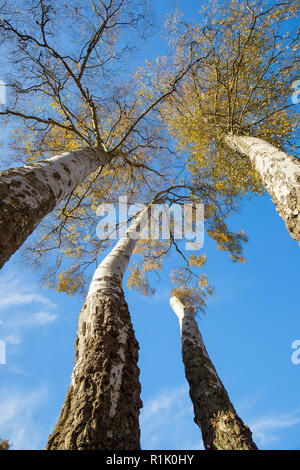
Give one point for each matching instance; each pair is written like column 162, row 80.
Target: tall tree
column 234, row 114
column 280, row 174
column 66, row 111
column 102, row 404
column 74, row 101
column 222, row 428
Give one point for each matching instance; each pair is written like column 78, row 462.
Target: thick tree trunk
column 102, row 405
column 280, row 175
column 29, row 193
column 222, row 428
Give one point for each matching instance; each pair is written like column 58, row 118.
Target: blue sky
column 248, row 330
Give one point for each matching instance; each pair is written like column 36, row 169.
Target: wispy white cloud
column 16, row 369
column 168, row 418
column 247, row 402
column 22, row 307
column 44, row 318
column 12, row 338
column 18, row 418
column 164, row 401
column 19, row 298
column 29, row 320
column 266, row 429
column 15, row 292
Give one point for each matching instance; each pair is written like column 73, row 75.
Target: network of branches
column 74, row 81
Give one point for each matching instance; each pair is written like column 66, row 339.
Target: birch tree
column 236, row 114
column 101, row 408
column 43, row 74
column 222, row 428
column 102, row 404
column 280, row 174
column 70, row 90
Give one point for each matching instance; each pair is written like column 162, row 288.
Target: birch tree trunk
column 101, row 409
column 29, row 193
column 222, row 428
column 280, row 175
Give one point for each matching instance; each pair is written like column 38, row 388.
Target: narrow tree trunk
column 222, row 428
column 102, row 405
column 280, row 175
column 29, row 193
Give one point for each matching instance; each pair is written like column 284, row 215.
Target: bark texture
column 280, row 175
column 101, row 409
column 221, row 427
column 29, row 193
column 102, row 405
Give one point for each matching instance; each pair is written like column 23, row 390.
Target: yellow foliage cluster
column 69, row 282
column 240, row 87
column 4, row 444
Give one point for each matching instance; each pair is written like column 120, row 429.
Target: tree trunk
column 222, row 428
column 102, row 405
column 280, row 175
column 29, row 193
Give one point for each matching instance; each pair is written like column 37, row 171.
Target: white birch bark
column 117, row 260
column 280, row 175
column 221, row 427
column 109, row 277
column 29, row 193
column 102, row 405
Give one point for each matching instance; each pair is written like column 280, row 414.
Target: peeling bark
column 29, row 193
column 222, row 428
column 280, row 175
column 101, row 409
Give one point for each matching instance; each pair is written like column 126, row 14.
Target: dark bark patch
column 16, row 183
column 66, row 168
column 56, row 176
column 17, row 218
